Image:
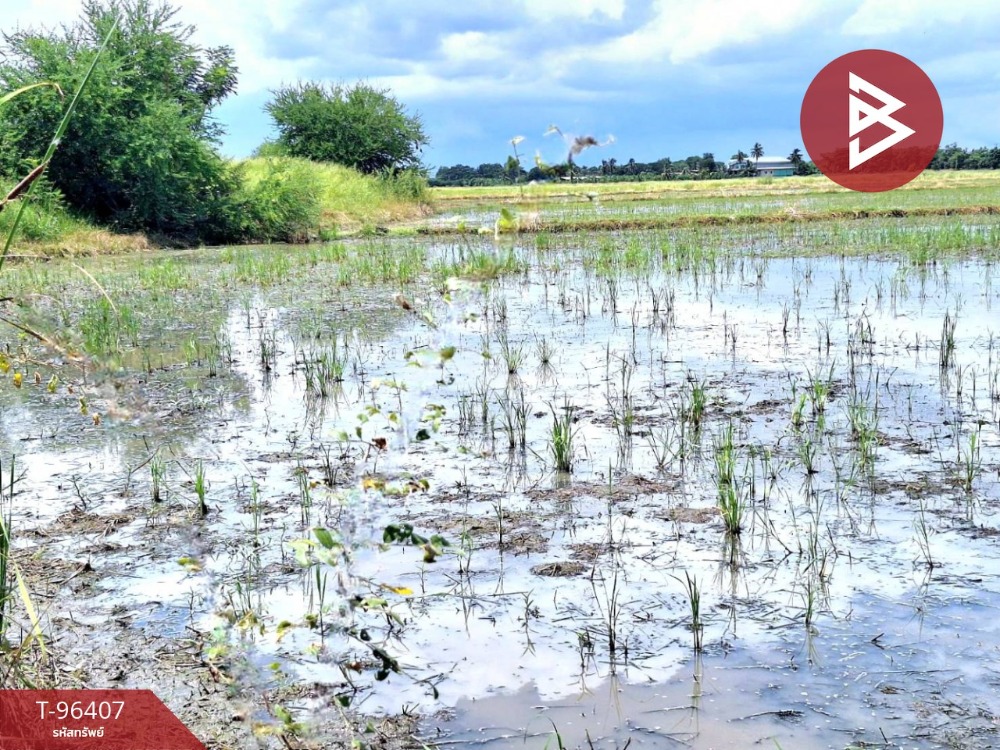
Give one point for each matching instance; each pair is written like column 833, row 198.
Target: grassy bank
column 281, row 199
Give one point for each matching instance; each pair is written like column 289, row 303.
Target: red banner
column 90, row 720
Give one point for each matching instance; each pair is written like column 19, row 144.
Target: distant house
column 767, row 166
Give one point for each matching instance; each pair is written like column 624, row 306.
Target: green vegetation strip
column 674, row 221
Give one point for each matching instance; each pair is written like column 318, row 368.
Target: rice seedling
column 512, row 355
column 514, row 418
column 267, row 347
column 693, row 593
column 819, row 391
column 798, row 411
column 808, row 452
column 621, row 405
column 694, row 402
column 610, row 605
column 305, row 493
column 108, row 328
column 256, row 510
column 322, row 368
column 971, row 461
column 663, row 446
column 556, row 737
column 922, row 534
column 863, row 420
column 262, row 267
column 731, row 502
column 810, row 600
column 544, row 350
column 157, row 474
column 561, row 437
column 201, row 487
column 946, row 347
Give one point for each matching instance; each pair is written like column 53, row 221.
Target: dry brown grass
column 84, row 242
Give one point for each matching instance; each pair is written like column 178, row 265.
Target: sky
column 664, row 77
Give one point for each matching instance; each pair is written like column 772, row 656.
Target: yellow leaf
column 401, row 590
column 190, row 564
column 53, row 384
column 373, row 483
column 18, row 379
column 283, row 627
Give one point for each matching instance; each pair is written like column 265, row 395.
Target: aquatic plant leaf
column 324, row 536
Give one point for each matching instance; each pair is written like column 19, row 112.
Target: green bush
column 356, row 126
column 139, row 152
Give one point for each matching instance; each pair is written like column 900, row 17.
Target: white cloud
column 881, row 17
column 472, row 45
column 423, row 84
column 683, row 31
column 550, row 10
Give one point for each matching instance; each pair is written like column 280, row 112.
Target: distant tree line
column 954, row 156
column 704, row 167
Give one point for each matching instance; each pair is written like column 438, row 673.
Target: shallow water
column 857, row 605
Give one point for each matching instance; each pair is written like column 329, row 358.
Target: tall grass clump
column 108, row 328
column 296, row 199
column 561, row 437
column 730, row 496
column 45, row 219
column 277, row 200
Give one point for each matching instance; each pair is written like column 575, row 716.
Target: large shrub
column 357, row 126
column 139, row 153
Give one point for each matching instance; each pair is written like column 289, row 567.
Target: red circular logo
column 871, row 120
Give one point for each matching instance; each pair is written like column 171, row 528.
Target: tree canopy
column 358, row 126
column 139, row 152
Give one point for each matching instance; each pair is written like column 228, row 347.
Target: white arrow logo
column 863, row 115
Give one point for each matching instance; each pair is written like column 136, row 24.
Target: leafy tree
column 358, row 126
column 139, row 152
column 797, row 160
column 512, row 169
column 490, row 171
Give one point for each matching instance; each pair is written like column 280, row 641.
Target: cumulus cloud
column 884, row 17
column 548, row 10
column 643, row 69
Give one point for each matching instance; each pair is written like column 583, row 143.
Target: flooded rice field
column 665, row 490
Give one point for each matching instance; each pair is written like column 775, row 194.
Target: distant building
column 767, row 166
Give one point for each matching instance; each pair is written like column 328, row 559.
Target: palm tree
column 756, row 152
column 796, row 159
